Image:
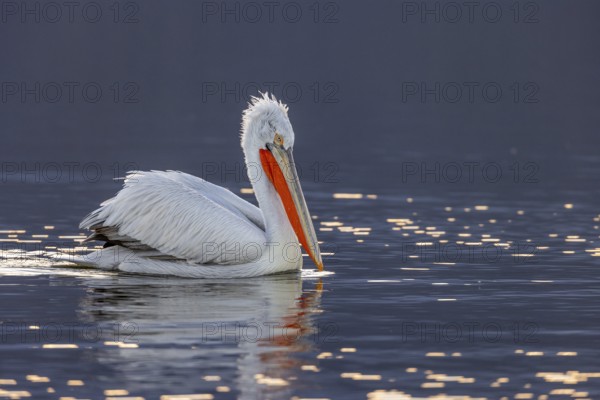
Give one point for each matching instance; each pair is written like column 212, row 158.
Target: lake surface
column 435, row 289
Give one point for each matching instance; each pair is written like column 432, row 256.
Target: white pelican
column 172, row 223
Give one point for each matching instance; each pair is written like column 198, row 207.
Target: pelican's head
column 266, row 130
column 265, row 117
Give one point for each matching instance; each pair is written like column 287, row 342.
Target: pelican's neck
column 277, row 225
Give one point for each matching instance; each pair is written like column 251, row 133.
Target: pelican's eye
column 278, row 140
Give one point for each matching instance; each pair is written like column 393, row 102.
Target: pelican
column 173, row 223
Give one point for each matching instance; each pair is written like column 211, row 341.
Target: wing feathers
column 180, row 215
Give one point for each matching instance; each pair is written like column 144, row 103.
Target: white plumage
column 172, row 223
column 179, row 214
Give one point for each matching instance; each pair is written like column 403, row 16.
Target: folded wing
column 181, row 216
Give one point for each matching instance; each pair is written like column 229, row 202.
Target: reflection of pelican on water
column 191, row 327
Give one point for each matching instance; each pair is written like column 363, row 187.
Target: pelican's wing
column 181, row 216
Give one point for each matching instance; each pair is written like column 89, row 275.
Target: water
column 454, row 291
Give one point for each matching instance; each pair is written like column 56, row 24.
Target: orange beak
column 275, row 161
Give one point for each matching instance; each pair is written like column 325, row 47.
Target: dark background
column 184, row 70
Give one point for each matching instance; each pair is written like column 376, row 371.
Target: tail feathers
column 107, row 259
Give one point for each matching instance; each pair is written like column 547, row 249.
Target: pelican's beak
column 278, row 164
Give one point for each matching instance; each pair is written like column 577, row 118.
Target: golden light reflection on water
column 116, row 392
column 346, row 196
column 357, row 376
column 122, row 345
column 60, row 346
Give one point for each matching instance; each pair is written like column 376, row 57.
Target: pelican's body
column 172, row 223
